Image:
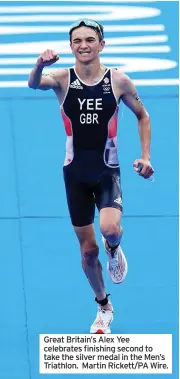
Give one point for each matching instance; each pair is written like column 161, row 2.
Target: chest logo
column 106, row 86
column 76, row 84
column 106, row 80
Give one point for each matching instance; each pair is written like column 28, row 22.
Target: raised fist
column 47, row 58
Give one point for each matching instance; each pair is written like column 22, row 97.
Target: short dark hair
column 100, row 32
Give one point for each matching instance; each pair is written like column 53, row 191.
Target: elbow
column 31, row 85
column 144, row 117
column 147, row 116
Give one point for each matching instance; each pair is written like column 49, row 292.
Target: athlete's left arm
column 131, row 99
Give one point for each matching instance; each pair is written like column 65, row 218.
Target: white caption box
column 100, row 354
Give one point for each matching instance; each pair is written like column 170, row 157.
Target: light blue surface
column 40, row 261
column 8, row 188
column 13, row 328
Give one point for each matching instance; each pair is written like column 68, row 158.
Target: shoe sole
column 100, row 331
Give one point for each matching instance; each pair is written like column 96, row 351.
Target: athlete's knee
column 110, row 228
column 112, row 232
column 90, row 252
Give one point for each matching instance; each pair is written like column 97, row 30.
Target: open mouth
column 84, row 52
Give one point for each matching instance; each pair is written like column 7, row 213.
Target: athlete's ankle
column 107, row 307
column 111, row 246
column 112, row 242
column 105, row 303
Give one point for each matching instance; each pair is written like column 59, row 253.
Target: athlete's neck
column 91, row 72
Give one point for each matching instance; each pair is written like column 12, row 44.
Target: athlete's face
column 85, row 44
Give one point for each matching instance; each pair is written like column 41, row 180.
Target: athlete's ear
column 101, row 45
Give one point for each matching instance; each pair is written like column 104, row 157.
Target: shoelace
column 114, row 261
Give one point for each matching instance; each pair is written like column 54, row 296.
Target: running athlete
column 89, row 95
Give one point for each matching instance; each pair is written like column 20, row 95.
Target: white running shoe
column 117, row 266
column 102, row 323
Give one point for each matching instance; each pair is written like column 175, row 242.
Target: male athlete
column 89, row 96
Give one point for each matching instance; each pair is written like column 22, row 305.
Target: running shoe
column 102, row 323
column 117, row 266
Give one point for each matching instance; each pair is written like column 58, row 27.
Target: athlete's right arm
column 44, row 82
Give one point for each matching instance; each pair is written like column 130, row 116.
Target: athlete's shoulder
column 120, row 78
